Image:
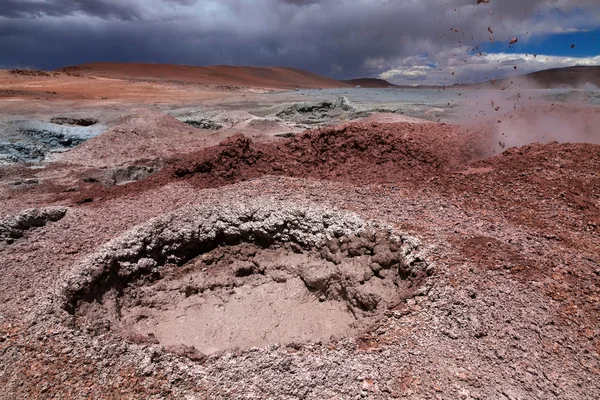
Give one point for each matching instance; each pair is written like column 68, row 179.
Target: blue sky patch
column 587, row 44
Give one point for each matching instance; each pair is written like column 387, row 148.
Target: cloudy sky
column 404, row 41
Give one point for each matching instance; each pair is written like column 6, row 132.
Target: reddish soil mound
column 565, row 171
column 358, row 153
column 551, row 187
column 274, row 77
column 361, row 153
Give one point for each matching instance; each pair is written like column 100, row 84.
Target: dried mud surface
column 506, row 303
column 14, row 226
column 257, row 275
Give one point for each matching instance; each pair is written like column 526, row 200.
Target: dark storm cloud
column 57, row 8
column 333, row 37
column 301, row 2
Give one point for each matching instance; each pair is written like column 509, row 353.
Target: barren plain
column 265, row 233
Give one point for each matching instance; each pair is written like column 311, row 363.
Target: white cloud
column 452, row 69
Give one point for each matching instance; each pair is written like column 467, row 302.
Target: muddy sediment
column 74, row 121
column 216, row 278
column 35, row 140
column 14, row 226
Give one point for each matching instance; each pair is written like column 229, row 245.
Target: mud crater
column 203, row 124
column 260, row 278
column 74, row 121
column 121, row 175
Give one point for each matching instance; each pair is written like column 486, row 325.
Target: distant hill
column 369, row 83
column 568, row 77
column 267, row 77
column 571, row 76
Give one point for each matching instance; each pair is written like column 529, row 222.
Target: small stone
column 501, row 354
column 511, row 394
column 450, row 334
column 429, row 270
column 375, row 267
column 476, row 395
column 480, row 334
column 400, row 313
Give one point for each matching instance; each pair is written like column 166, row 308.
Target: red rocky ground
column 512, row 311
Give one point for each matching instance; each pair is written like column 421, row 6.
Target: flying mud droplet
column 573, row 46
column 490, row 30
column 513, row 40
column 483, row 1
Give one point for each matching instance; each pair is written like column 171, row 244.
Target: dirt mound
column 571, row 167
column 273, row 77
column 142, row 135
column 14, row 226
column 535, row 181
column 357, row 153
column 366, row 153
column 258, row 274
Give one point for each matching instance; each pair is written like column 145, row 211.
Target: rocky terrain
column 224, row 243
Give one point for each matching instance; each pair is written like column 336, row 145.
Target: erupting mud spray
column 528, row 114
column 214, row 278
